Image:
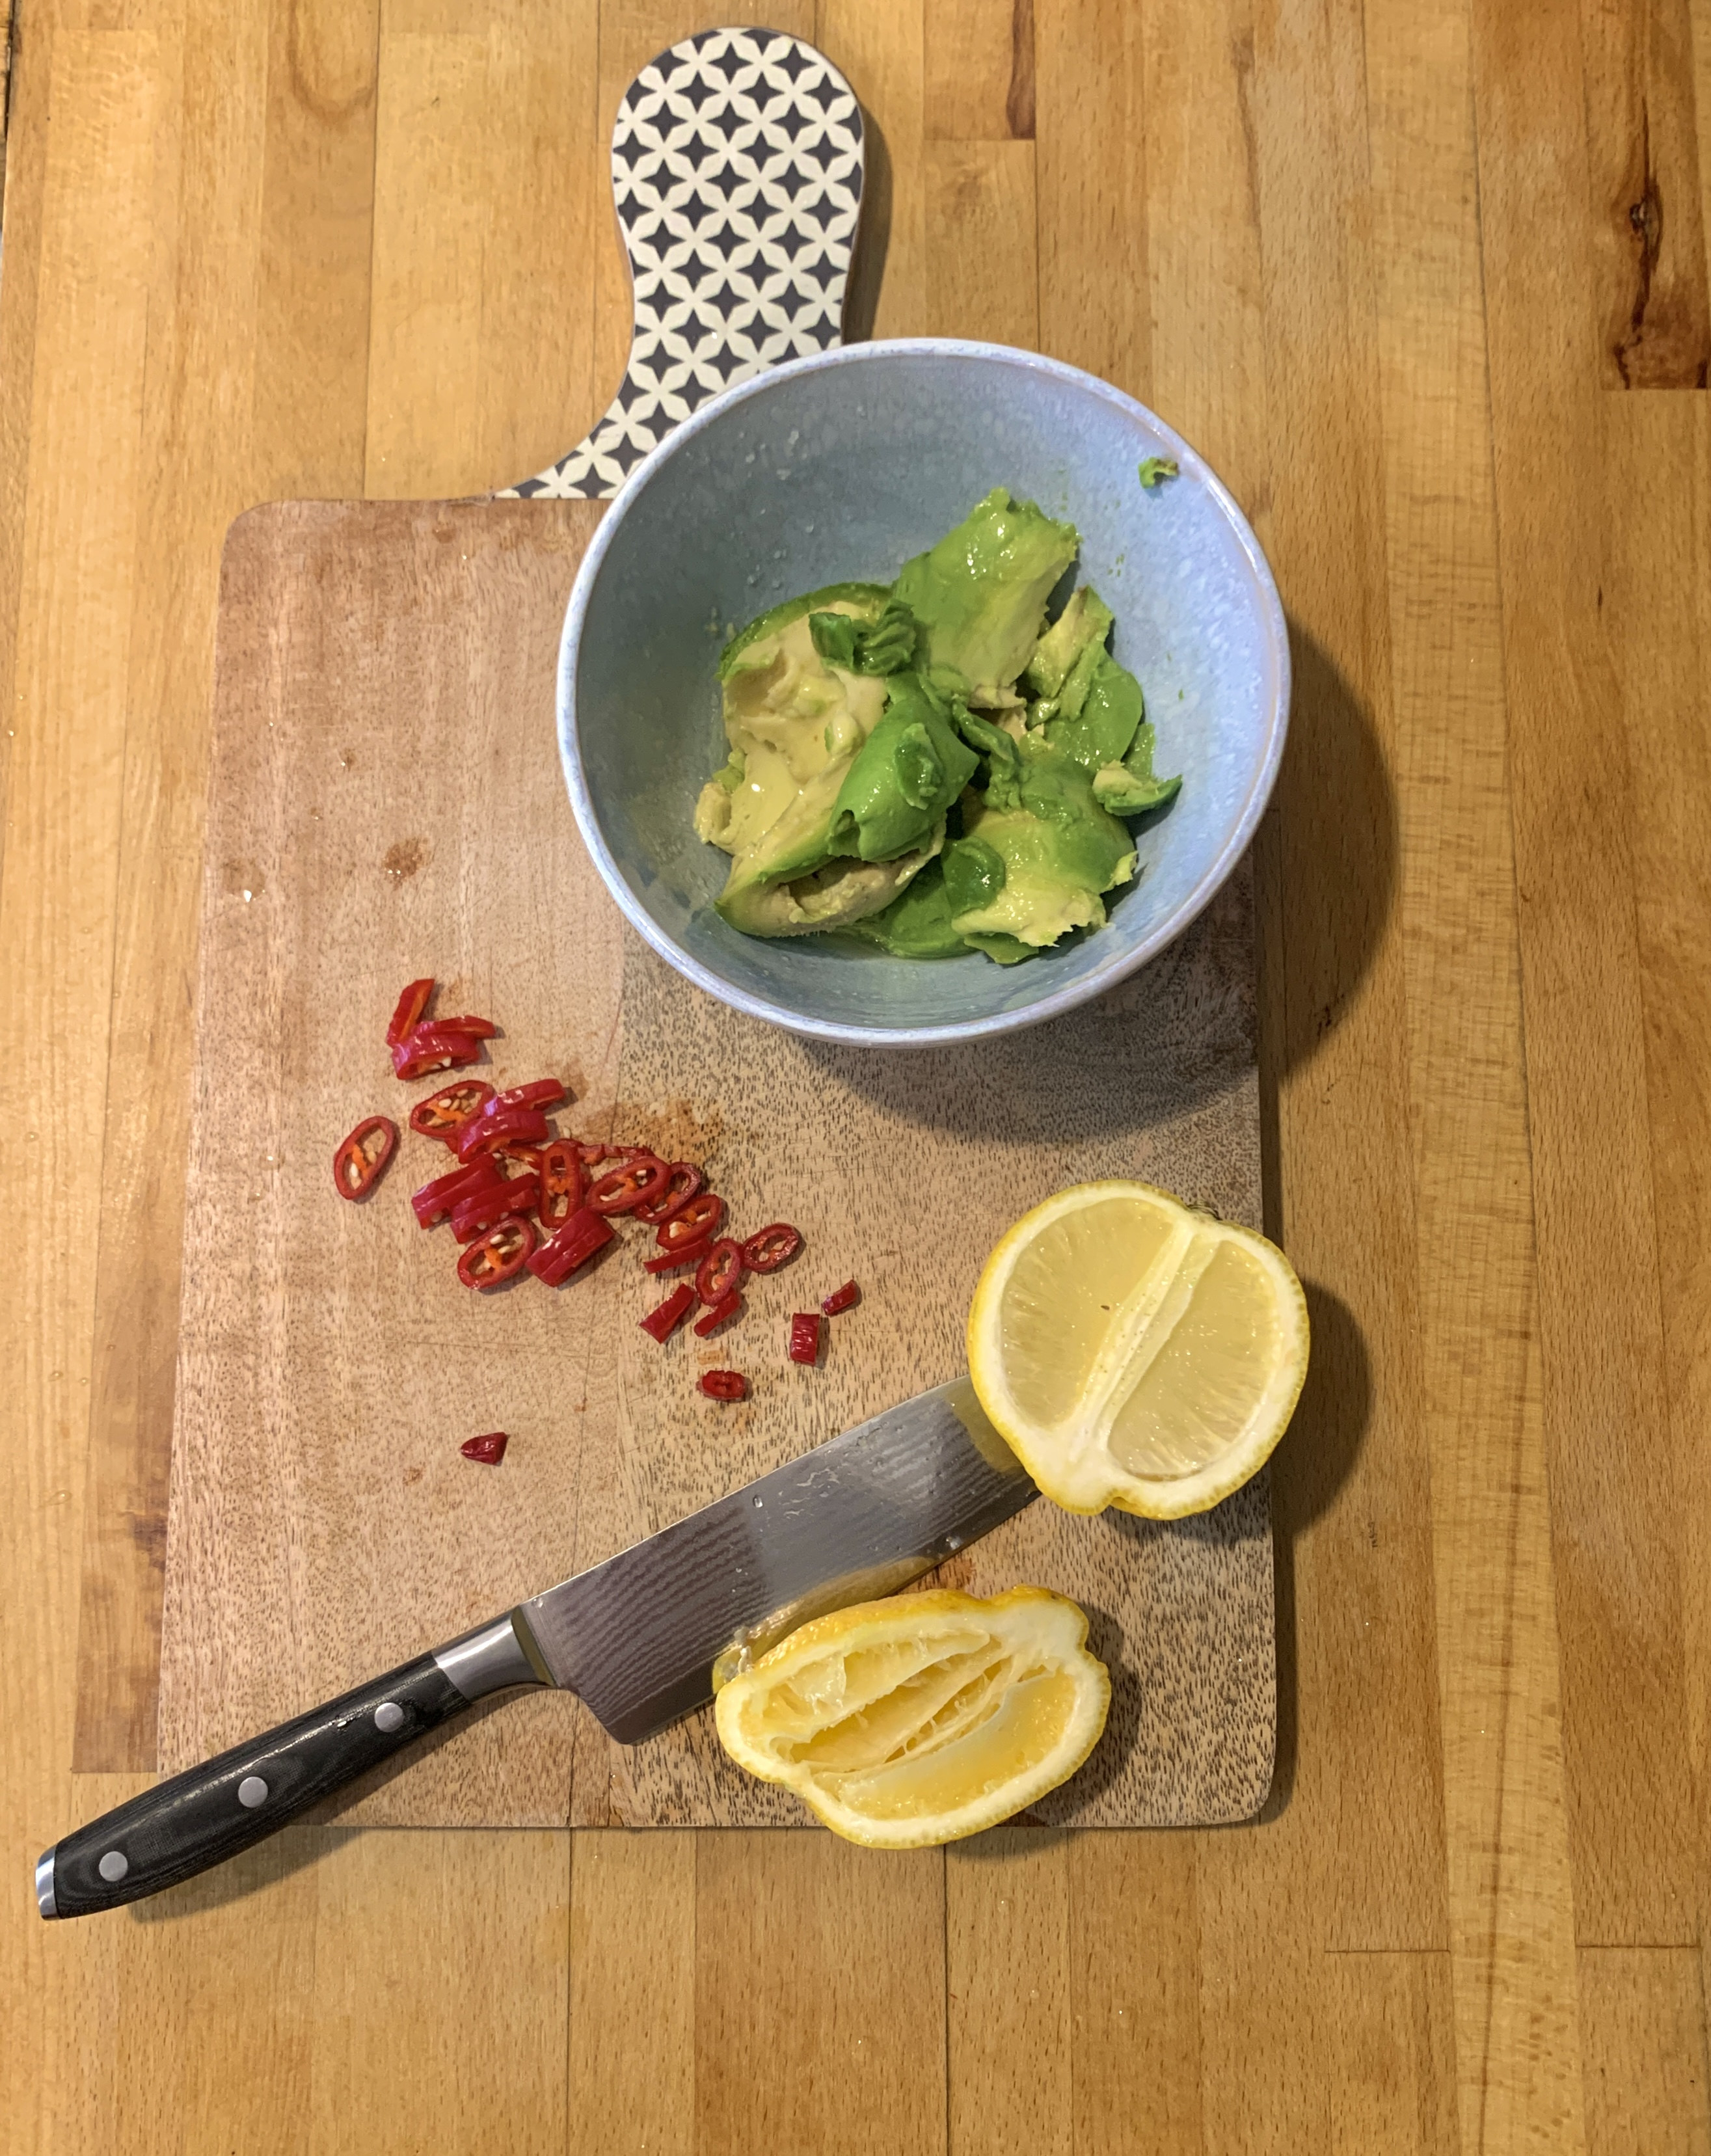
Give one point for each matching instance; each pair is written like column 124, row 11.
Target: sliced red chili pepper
column 575, row 1243
column 485, row 1208
column 500, row 1255
column 683, row 1179
column 674, row 1261
column 538, row 1093
column 478, row 1028
column 513, row 1160
column 663, row 1322
column 841, row 1299
column 356, row 1164
column 431, row 1048
column 411, row 1004
column 489, row 1450
column 719, row 1272
column 697, row 1223
column 511, row 1125
column 724, row 1384
column 434, row 1201
column 562, row 1182
column 804, row 1337
column 625, row 1188
column 444, row 1114
column 768, row 1249
column 710, row 1321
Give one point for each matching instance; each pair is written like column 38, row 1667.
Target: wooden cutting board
column 386, row 800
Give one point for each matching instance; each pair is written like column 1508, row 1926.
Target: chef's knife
column 635, row 1638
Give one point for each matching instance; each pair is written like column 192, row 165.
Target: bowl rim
column 1102, row 979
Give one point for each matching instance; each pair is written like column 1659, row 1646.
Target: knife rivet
column 114, row 1865
column 758, row 1502
column 252, row 1791
column 388, row 1716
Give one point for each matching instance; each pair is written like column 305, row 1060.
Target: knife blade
column 635, row 1637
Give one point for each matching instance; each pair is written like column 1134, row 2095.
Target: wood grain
column 1648, row 2081
column 1614, row 1516
column 977, row 70
column 187, row 312
column 1653, row 299
column 1510, row 1903
column 317, row 1522
column 443, row 180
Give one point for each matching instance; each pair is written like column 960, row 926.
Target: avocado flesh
column 911, row 768
column 1130, row 788
column 1059, row 850
column 865, row 602
column 1106, row 716
column 833, row 800
column 834, row 896
column 981, row 592
column 1086, row 620
column 916, row 924
column 796, row 726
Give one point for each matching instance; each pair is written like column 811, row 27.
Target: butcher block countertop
column 1426, row 281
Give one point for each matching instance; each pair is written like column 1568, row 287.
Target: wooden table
column 1426, row 280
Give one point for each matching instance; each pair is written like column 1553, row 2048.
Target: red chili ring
column 625, row 1188
column 360, row 1157
column 501, row 1256
column 723, row 1385
column 683, row 1180
column 697, row 1223
column 769, row 1248
column 720, row 1271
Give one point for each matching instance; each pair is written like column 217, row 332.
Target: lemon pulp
column 1137, row 1353
column 911, row 1722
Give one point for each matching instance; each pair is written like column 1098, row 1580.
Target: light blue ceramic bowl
column 841, row 467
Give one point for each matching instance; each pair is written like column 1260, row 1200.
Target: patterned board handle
column 736, row 168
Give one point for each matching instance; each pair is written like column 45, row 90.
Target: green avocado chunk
column 1106, row 716
column 884, row 646
column 1007, row 950
column 1061, row 851
column 1086, row 620
column 868, row 599
column 906, row 775
column 973, row 875
column 834, row 895
column 1128, row 788
column 980, row 593
column 917, row 925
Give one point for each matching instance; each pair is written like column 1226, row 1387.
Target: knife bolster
column 492, row 1658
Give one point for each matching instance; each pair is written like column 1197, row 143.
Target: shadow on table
column 255, row 1871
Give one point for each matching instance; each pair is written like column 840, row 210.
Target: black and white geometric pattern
column 737, row 165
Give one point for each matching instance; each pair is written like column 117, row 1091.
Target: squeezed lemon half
column 1136, row 1352
column 907, row 1723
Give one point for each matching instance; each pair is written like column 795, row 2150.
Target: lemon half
column 1136, row 1352
column 916, row 1721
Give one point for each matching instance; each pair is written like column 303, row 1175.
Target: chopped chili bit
column 411, row 1004
column 663, row 1322
column 841, row 1299
column 804, row 1337
column 710, row 1321
column 724, row 1384
column 489, row 1450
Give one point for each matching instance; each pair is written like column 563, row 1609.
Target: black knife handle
column 208, row 1813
